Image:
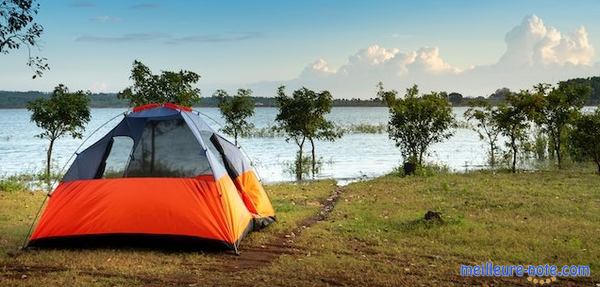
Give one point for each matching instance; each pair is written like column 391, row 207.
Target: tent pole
column 37, row 214
column 152, row 149
column 241, row 148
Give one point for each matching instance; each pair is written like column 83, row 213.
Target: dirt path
column 281, row 243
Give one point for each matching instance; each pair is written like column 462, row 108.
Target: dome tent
column 161, row 174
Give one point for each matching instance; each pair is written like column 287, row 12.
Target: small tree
column 64, row 113
column 236, row 110
column 320, row 127
column 455, row 99
column 512, row 121
column 557, row 109
column 585, row 137
column 168, row 87
column 17, row 28
column 417, row 122
column 483, row 113
column 302, row 117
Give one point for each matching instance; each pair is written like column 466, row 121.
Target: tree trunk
column 492, row 155
column 49, row 163
column 514, row 152
column 299, row 161
column 558, row 153
column 235, row 136
column 598, row 164
column 312, row 144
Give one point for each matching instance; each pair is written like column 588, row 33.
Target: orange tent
column 161, row 174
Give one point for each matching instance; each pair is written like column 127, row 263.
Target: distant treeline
column 499, row 95
column 16, row 100
column 12, row 100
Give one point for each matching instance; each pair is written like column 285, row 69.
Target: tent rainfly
column 162, row 174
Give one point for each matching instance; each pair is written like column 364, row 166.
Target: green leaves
column 555, row 108
column 236, row 110
column 585, row 137
column 303, row 114
column 168, row 87
column 416, row 122
column 483, row 114
column 302, row 117
column 17, row 28
column 63, row 113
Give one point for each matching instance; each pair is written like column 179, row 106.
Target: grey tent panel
column 165, row 142
column 87, row 162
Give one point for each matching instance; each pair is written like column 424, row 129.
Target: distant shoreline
column 19, row 100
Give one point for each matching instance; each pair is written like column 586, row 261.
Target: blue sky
column 91, row 44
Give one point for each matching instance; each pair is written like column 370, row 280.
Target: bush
column 585, row 138
column 12, row 184
column 417, row 121
column 426, row 170
column 306, row 165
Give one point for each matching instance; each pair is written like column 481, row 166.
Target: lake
column 353, row 156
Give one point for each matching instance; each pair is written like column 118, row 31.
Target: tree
column 417, row 122
column 512, row 121
column 483, row 113
column 585, row 137
column 594, row 83
column 168, row 87
column 557, row 108
column 64, row 113
column 320, row 127
column 302, row 117
column 455, row 98
column 500, row 95
column 236, row 110
column 17, row 29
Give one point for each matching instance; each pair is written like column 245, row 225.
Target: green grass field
column 375, row 236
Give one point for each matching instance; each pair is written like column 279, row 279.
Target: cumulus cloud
column 533, row 43
column 381, row 60
column 317, row 70
column 534, row 53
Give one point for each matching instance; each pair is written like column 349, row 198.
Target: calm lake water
column 353, row 156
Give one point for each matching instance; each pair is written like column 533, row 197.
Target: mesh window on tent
column 167, row 148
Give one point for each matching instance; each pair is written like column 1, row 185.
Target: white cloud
column 534, row 53
column 533, row 43
column 320, row 68
column 429, row 60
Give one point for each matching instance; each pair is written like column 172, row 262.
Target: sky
column 470, row 47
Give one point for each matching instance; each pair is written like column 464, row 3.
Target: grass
column 360, row 128
column 535, row 218
column 12, row 184
column 376, row 235
column 294, row 202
